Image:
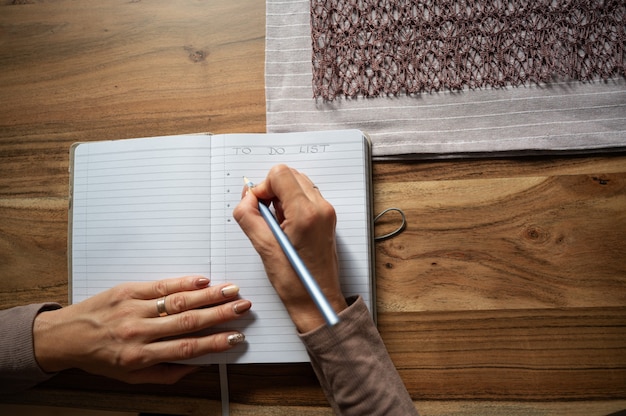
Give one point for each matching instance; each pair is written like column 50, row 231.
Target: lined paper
column 146, row 209
column 139, row 212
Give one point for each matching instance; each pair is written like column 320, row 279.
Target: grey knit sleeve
column 19, row 369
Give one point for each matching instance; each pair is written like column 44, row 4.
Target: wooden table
column 505, row 295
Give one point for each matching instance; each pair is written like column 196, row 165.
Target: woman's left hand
column 119, row 333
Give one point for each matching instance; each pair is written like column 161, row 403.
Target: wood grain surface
column 505, row 295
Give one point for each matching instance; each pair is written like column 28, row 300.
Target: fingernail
column 242, row 306
column 235, row 339
column 230, row 291
column 202, row 282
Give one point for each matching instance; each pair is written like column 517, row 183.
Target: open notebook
column 152, row 208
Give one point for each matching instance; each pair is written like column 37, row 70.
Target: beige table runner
column 440, row 120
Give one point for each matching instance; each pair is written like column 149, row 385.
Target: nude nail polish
column 230, row 290
column 202, row 282
column 242, row 306
column 236, row 338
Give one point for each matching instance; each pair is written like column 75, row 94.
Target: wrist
column 309, row 318
column 45, row 346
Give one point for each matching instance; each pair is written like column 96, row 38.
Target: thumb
column 247, row 215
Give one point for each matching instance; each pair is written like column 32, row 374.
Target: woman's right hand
column 309, row 222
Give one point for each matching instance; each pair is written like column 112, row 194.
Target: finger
column 194, row 320
column 293, row 186
column 181, row 349
column 296, row 200
column 281, row 183
column 160, row 288
column 184, row 301
column 247, row 215
column 307, row 186
column 285, row 185
column 308, row 189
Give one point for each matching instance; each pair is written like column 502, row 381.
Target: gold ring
column 161, row 307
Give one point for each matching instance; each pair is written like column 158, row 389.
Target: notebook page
column 335, row 162
column 140, row 211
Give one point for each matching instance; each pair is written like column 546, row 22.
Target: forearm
column 354, row 368
column 19, row 369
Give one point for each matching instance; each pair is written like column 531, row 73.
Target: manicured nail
column 202, row 282
column 230, row 291
column 242, row 306
column 235, row 339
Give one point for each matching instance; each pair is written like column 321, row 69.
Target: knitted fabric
column 388, row 47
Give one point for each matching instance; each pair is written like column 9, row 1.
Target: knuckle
column 238, row 213
column 187, row 322
column 278, row 170
column 178, row 303
column 128, row 332
column 327, row 212
column 121, row 292
column 160, row 287
column 130, row 358
column 224, row 313
column 188, row 348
